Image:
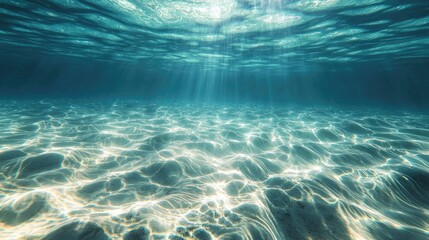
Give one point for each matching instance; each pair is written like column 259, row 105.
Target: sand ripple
column 134, row 170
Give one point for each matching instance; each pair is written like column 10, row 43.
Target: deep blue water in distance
column 204, row 119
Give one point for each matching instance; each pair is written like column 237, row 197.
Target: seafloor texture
column 130, row 170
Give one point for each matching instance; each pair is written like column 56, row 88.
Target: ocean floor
column 129, row 170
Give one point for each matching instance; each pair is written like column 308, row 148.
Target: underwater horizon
column 205, row 119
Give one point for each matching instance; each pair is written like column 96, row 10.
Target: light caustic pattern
column 132, row 170
column 220, row 34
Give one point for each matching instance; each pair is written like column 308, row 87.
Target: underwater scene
column 214, row 119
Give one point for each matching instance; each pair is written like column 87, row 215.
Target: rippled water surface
column 134, row 170
column 222, row 34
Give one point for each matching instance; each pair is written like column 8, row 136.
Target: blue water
column 203, row 119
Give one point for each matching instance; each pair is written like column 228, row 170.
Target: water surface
column 267, row 35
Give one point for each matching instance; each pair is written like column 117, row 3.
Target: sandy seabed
column 135, row 170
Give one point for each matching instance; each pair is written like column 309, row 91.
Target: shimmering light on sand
column 183, row 171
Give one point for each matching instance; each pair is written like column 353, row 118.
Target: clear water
column 275, row 35
column 204, row 119
column 247, row 172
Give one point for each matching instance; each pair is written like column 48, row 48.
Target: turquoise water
column 275, row 35
column 204, row 119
